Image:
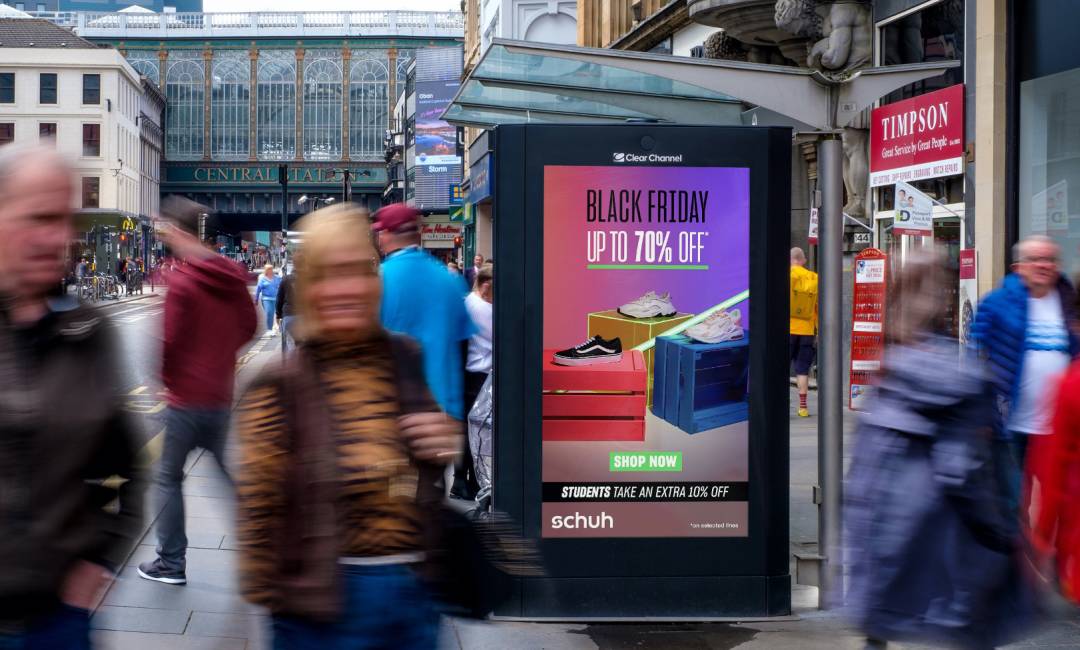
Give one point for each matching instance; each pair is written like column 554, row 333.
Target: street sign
column 457, row 213
column 813, row 227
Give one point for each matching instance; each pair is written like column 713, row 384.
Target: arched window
column 322, row 105
column 368, row 89
column 404, row 58
column 185, row 92
column 146, row 64
column 276, row 105
column 230, row 99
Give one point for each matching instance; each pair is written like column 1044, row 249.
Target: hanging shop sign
column 914, row 212
column 918, row 138
column 812, row 237
column 867, row 324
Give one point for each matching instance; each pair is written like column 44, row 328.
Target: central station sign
column 268, row 174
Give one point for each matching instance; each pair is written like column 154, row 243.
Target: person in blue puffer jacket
column 1026, row 332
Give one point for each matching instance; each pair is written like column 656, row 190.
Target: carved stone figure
column 847, row 31
column 799, row 17
column 719, row 45
column 856, row 170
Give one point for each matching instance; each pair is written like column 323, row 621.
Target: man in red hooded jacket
column 209, row 316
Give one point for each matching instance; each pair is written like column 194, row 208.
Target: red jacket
column 209, row 316
column 1053, row 467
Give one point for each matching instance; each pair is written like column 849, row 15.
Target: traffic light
column 123, row 237
column 457, row 241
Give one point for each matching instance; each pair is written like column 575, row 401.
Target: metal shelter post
column 830, row 365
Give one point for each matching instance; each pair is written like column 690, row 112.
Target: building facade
column 58, row 88
column 246, row 93
column 151, row 144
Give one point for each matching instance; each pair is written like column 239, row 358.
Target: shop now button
column 646, row 461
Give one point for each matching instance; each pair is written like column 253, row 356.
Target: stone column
column 299, row 103
column 991, row 91
column 253, row 108
column 346, row 62
column 208, row 78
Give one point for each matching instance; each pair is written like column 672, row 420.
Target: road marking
column 138, row 391
column 114, row 314
column 151, row 451
column 144, row 406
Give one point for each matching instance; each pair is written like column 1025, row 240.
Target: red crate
column 600, row 402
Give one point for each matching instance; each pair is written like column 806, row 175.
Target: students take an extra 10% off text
column 646, row 246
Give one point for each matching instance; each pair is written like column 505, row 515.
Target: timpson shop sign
column 267, row 174
column 918, row 138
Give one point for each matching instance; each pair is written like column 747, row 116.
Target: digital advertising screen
column 438, row 165
column 646, row 351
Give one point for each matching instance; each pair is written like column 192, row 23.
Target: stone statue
column 799, row 17
column 719, row 45
column 847, row 31
column 856, row 170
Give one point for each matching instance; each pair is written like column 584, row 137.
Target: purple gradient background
column 571, row 291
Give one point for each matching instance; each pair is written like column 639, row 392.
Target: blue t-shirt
column 422, row 299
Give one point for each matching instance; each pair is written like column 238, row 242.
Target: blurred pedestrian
column 266, row 292
column 1053, row 497
column 422, row 300
column 1025, row 329
column 284, row 309
column 477, row 368
column 931, row 548
column 803, row 324
column 341, row 453
column 470, row 272
column 64, row 528
column 453, row 268
column 208, row 318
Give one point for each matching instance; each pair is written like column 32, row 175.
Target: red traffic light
column 123, row 237
column 457, row 241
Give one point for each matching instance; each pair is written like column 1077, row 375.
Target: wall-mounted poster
column 646, row 351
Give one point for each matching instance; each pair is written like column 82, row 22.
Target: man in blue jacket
column 1026, row 331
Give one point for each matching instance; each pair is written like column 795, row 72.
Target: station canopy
column 519, row 82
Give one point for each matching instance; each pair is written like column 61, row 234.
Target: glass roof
column 511, row 87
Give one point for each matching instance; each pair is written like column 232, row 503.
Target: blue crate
column 700, row 386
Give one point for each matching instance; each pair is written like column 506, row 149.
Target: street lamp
column 315, row 201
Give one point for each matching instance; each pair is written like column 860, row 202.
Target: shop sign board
column 914, row 212
column 969, row 293
column 868, row 324
column 918, row 138
column 812, row 236
column 633, row 324
column 439, row 232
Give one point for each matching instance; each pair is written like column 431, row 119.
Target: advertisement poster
column 914, row 212
column 436, row 141
column 646, row 343
column 918, row 138
column 969, row 292
column 867, row 325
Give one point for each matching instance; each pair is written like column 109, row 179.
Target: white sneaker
column 650, row 305
column 721, row 326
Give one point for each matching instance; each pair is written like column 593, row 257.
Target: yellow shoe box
column 633, row 332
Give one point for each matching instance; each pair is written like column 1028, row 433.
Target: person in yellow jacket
column 803, row 328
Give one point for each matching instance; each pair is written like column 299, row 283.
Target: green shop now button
column 646, row 461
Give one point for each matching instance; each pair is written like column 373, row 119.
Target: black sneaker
column 595, row 350
column 158, row 572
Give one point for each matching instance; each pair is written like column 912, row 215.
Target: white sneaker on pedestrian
column 721, row 326
column 651, row 305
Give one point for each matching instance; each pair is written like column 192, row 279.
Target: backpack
column 804, row 290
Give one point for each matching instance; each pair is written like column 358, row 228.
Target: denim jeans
column 185, row 429
column 287, row 341
column 385, row 607
column 68, row 628
column 269, row 305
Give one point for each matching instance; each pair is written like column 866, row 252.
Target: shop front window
column 1049, row 162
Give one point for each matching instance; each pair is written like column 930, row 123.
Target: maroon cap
column 396, row 218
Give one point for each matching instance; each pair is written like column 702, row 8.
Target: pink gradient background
column 571, row 291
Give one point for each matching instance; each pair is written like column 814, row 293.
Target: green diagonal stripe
column 678, row 329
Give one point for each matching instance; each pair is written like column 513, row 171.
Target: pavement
column 208, row 614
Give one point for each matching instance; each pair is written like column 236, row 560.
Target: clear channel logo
column 621, row 157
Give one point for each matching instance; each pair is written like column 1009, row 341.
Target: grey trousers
column 185, row 429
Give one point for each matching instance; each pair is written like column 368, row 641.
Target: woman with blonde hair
column 341, row 452
column 931, row 548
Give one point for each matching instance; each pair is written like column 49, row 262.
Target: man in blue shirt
column 423, row 300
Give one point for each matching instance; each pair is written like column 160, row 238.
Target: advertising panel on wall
column 638, row 290
column 918, row 138
column 437, row 159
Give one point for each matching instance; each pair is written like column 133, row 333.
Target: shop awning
column 520, row 81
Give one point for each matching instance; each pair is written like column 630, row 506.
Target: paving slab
column 112, row 640
column 140, row 619
column 239, row 626
column 201, row 593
